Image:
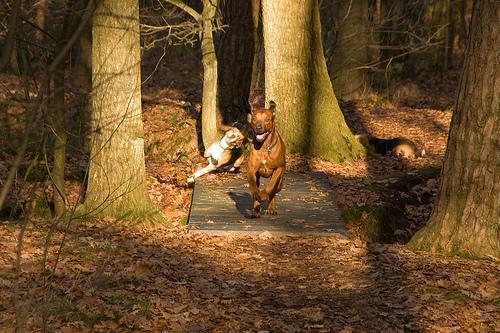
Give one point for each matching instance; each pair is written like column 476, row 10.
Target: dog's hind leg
column 238, row 163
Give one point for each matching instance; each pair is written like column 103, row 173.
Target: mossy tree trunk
column 347, row 46
column 465, row 218
column 117, row 181
column 296, row 78
column 235, row 48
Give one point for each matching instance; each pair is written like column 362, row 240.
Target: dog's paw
column 272, row 212
column 234, row 170
column 255, row 215
column 263, row 196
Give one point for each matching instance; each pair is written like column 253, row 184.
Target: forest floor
column 113, row 276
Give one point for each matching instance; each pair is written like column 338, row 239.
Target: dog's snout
column 232, row 136
column 258, row 127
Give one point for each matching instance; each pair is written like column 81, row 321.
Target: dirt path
column 121, row 279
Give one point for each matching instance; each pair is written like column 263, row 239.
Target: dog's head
column 262, row 121
column 234, row 138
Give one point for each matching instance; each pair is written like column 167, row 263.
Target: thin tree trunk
column 10, row 39
column 209, row 60
column 58, row 115
column 117, row 181
column 465, row 218
column 60, row 139
column 41, row 8
column 308, row 115
column 439, row 21
column 258, row 83
column 81, row 78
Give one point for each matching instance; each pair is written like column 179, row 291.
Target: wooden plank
column 306, row 206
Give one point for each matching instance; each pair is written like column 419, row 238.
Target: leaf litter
column 153, row 279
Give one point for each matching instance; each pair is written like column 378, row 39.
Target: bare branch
column 179, row 3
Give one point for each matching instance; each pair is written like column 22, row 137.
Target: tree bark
column 296, row 78
column 465, row 218
column 209, row 60
column 41, row 9
column 257, row 84
column 234, row 57
column 10, row 39
column 348, row 44
column 58, row 115
column 116, row 182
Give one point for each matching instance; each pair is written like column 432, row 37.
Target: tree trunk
column 81, row 79
column 234, row 57
column 9, row 44
column 308, row 115
column 60, row 136
column 257, row 84
column 348, row 58
column 465, row 218
column 116, row 183
column 209, row 60
column 440, row 22
column 41, row 9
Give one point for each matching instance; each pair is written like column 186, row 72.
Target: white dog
column 220, row 153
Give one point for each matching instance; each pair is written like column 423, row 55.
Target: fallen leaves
column 118, row 278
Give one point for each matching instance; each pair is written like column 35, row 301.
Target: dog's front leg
column 209, row 168
column 253, row 182
column 274, row 186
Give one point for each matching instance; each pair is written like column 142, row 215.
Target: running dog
column 220, row 153
column 267, row 158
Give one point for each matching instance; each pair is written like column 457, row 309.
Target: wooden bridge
column 306, row 206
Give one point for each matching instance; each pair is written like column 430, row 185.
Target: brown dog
column 267, row 159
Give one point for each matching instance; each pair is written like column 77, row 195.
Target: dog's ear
column 272, row 106
column 249, row 117
column 239, row 142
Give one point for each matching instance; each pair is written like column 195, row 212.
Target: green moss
column 144, row 306
column 43, row 208
column 147, row 216
column 469, row 256
column 369, row 219
column 89, row 319
column 184, row 220
column 456, row 296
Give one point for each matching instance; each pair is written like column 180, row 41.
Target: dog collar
column 271, row 147
column 224, row 145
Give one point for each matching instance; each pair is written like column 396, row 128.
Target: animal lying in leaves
column 400, row 147
column 220, row 153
